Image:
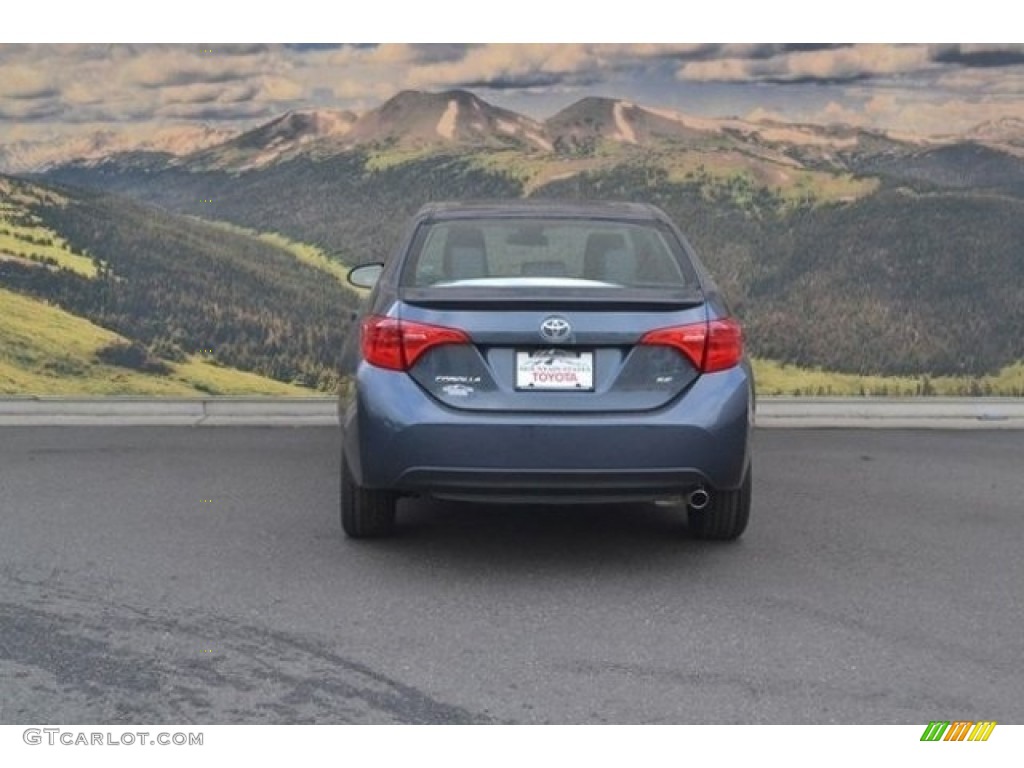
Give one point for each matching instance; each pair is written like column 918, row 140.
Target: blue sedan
column 545, row 352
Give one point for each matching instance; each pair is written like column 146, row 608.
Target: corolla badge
column 555, row 328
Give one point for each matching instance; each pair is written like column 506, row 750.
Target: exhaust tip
column 698, row 499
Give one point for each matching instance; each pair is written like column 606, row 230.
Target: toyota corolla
column 543, row 352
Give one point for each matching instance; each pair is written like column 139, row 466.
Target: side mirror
column 365, row 276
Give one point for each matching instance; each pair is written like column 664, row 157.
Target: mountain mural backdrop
column 843, row 249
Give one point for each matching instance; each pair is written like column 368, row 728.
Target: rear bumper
column 397, row 437
column 556, row 486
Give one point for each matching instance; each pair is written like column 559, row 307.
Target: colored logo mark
column 958, row 730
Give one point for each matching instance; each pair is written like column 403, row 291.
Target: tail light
column 712, row 346
column 397, row 344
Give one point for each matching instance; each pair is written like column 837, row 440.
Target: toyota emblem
column 555, row 329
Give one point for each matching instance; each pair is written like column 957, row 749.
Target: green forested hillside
column 910, row 273
column 965, row 165
column 180, row 287
column 353, row 212
column 47, row 351
column 898, row 282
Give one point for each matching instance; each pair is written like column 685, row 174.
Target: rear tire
column 365, row 513
column 726, row 515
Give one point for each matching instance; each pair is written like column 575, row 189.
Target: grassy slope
column 774, row 378
column 23, row 236
column 535, row 168
column 47, row 351
column 794, row 184
column 304, row 252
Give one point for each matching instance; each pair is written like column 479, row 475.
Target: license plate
column 562, row 369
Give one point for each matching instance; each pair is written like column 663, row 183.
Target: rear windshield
column 552, row 252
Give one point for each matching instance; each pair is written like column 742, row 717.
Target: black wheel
column 726, row 515
column 365, row 513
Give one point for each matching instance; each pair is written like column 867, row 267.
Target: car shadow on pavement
column 523, row 537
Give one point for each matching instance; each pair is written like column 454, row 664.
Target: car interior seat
column 465, row 254
column 607, row 259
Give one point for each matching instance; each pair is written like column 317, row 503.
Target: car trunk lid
column 553, row 349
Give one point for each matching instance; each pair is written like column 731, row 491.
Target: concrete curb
column 777, row 412
column 891, row 413
column 188, row 412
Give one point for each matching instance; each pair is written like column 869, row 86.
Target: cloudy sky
column 47, row 90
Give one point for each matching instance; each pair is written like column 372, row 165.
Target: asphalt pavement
column 183, row 575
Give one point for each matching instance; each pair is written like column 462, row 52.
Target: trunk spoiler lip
column 455, row 297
